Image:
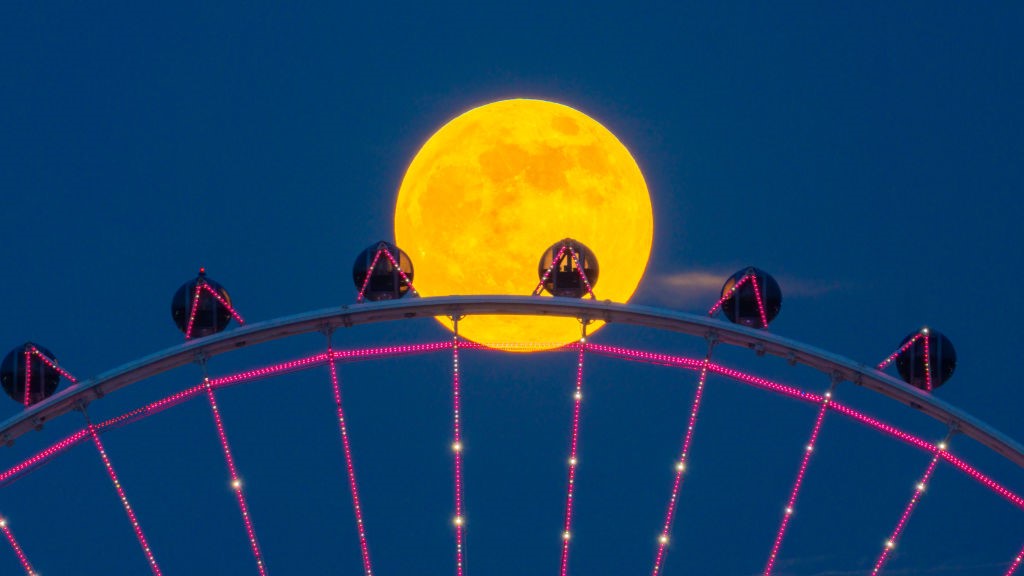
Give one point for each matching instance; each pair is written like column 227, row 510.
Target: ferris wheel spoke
column 460, row 521
column 349, row 466
column 573, row 454
column 139, row 535
column 901, row 525
column 1015, row 564
column 236, row 480
column 680, row 466
column 798, row 482
column 22, row 557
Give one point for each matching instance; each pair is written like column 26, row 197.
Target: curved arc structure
column 838, row 367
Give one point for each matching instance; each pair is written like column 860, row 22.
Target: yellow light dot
column 565, row 535
column 663, row 539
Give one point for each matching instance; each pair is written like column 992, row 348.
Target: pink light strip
column 401, row 272
column 547, row 273
column 760, row 303
column 41, row 457
column 1012, row 569
column 728, row 295
column 236, row 481
column 891, row 357
column 894, row 538
column 791, row 503
column 369, row 272
column 670, row 360
column 223, row 302
column 45, row 455
column 195, row 306
column 360, row 526
column 152, row 408
column 579, row 268
column 28, row 378
column 124, row 502
column 927, row 365
column 17, row 549
column 49, row 362
column 457, row 450
column 573, row 460
column 663, row 539
column 983, row 479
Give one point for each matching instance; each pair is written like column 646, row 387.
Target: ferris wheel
column 356, row 357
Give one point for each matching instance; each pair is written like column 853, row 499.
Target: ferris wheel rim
column 837, row 367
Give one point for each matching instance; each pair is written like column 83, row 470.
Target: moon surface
column 492, row 189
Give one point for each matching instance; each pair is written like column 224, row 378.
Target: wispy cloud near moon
column 702, row 287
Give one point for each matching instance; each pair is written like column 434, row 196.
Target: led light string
column 204, row 286
column 373, row 265
column 28, row 378
column 906, row 346
column 460, row 520
column 795, row 491
column 1012, row 569
column 573, row 452
column 236, row 480
column 680, row 465
column 47, row 454
column 919, row 489
column 53, row 364
column 31, row 351
column 760, row 302
column 22, row 558
column 729, row 294
column 195, row 306
column 139, row 535
column 927, row 365
column 369, row 272
column 551, row 268
column 349, row 466
column 401, row 273
column 583, row 277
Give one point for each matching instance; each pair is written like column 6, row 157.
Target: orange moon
column 492, row 189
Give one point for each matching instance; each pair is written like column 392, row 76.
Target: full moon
column 492, row 189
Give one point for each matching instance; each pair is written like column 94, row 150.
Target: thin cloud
column 702, row 287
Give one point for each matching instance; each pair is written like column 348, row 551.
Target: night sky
column 867, row 155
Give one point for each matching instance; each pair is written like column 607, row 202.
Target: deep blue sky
column 868, row 155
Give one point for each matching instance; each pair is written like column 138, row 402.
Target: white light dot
column 920, row 487
column 3, row 523
column 457, row 446
column 810, row 447
column 236, row 483
column 572, row 461
column 680, row 466
column 459, row 520
column 565, row 535
column 789, row 510
column 663, row 539
column 578, row 396
column 890, row 544
column 942, row 446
